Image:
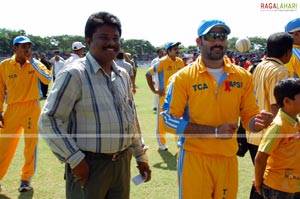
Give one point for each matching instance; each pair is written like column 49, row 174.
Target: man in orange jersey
column 20, row 78
column 293, row 27
column 165, row 68
column 203, row 104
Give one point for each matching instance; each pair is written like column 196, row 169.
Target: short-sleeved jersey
column 165, row 68
column 195, row 96
column 21, row 84
column 282, row 142
column 266, row 75
column 293, row 65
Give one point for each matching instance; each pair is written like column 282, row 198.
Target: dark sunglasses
column 213, row 36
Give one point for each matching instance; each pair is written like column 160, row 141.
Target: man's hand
column 133, row 89
column 2, row 121
column 144, row 170
column 262, row 120
column 226, row 130
column 81, row 172
column 159, row 92
column 257, row 187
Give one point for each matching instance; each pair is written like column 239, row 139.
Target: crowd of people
column 90, row 122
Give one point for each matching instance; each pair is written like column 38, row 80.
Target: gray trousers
column 107, row 179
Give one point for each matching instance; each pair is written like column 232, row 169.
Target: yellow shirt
column 293, row 65
column 195, row 96
column 21, row 84
column 165, row 68
column 266, row 75
column 282, row 143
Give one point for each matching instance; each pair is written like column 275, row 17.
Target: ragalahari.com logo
column 278, row 6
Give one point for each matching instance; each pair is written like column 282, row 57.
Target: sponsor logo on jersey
column 31, row 72
column 11, row 76
column 232, row 84
column 200, row 86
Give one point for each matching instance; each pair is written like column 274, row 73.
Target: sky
column 157, row 21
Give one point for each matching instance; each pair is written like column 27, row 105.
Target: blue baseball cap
column 206, row 26
column 21, row 40
column 171, row 44
column 293, row 25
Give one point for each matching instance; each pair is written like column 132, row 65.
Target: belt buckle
column 115, row 157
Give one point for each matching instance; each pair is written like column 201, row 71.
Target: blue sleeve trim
column 181, row 127
column 35, row 66
column 148, row 73
column 251, row 125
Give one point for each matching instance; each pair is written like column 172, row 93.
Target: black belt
column 107, row 156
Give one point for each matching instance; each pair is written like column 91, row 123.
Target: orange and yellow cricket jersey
column 13, row 77
column 282, row 143
column 165, row 68
column 293, row 65
column 195, row 96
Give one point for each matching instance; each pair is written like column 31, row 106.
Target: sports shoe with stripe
column 163, row 147
column 25, row 186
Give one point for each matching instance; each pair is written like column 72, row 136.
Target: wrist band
column 216, row 132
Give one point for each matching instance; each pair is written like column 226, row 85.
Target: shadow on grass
column 26, row 195
column 169, row 161
column 4, row 197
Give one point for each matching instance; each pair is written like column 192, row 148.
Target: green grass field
column 48, row 182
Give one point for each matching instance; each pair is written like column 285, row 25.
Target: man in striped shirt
column 90, row 121
column 266, row 75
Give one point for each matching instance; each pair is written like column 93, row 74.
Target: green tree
column 137, row 46
column 134, row 46
column 258, row 43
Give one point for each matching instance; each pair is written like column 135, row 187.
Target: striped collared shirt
column 266, row 75
column 88, row 110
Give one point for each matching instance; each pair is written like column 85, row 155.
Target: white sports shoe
column 163, row 147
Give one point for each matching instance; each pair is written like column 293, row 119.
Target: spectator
column 266, row 75
column 135, row 65
column 120, row 61
column 160, row 54
column 56, row 53
column 78, row 50
column 44, row 87
column 58, row 65
column 185, row 60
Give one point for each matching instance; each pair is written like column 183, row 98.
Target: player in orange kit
column 165, row 68
column 20, row 78
column 203, row 104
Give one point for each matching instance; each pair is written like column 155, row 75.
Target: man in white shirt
column 160, row 54
column 57, row 66
column 120, row 61
column 78, row 50
column 56, row 53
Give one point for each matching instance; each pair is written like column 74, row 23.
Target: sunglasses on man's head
column 213, row 36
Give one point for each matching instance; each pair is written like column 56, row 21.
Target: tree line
column 133, row 46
